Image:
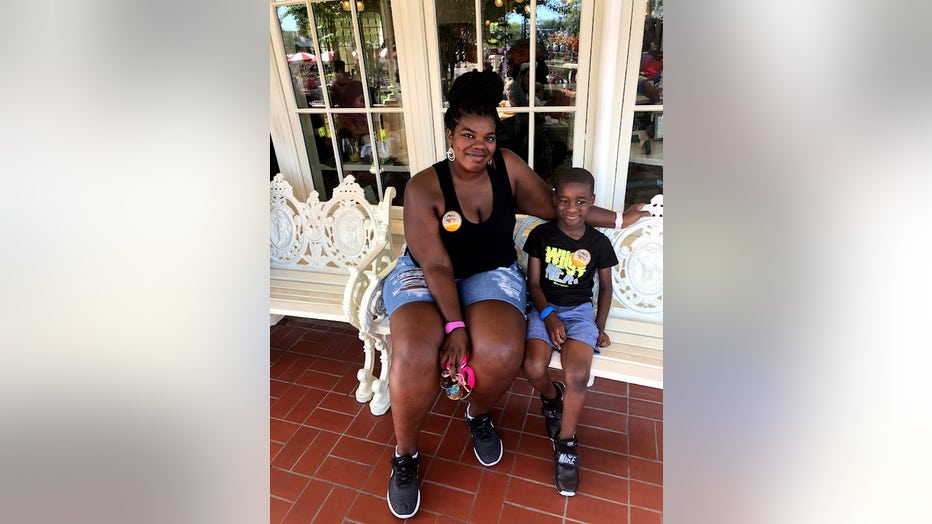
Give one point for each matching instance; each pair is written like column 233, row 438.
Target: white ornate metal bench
column 318, row 249
column 635, row 323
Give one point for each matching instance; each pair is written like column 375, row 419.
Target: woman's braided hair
column 474, row 93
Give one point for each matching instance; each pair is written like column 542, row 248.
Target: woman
column 458, row 292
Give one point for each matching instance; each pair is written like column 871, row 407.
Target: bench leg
column 381, row 399
column 365, row 376
column 273, row 319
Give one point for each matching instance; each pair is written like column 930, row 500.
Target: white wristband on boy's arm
column 619, row 219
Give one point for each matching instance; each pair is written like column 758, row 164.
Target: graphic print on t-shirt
column 564, row 267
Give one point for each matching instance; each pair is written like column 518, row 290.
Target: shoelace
column 483, row 427
column 405, row 470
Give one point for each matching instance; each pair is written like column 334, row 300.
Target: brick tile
column 281, row 431
column 645, row 393
column 601, row 485
column 286, row 485
column 296, row 369
column 288, row 400
column 456, row 474
column 658, row 427
column 371, row 509
column 533, row 495
column 347, row 384
column 599, row 418
column 646, row 470
column 277, row 510
column 316, row 453
column 645, row 408
column 334, row 367
column 536, row 445
column 383, row 431
column 295, row 448
column 436, row 424
column 315, row 379
column 274, row 448
column 277, row 388
column 593, row 437
column 329, row 420
column 613, row 387
column 512, row 513
column 342, row 403
column 281, row 365
column 275, row 354
column 359, row 450
column 445, row 406
column 337, row 505
column 344, row 472
column 536, row 469
column 522, row 387
column 595, row 511
column 647, row 496
column 603, row 401
column 516, row 410
column 599, row 460
column 310, row 346
column 489, row 496
column 641, row 438
column 283, row 336
column 305, row 406
column 455, row 442
column 362, row 425
column 427, row 444
column 308, row 503
column 443, row 500
column 643, row 516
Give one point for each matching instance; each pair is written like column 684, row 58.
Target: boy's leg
column 536, row 360
column 576, row 359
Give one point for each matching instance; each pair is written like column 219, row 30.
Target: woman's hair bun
column 476, row 88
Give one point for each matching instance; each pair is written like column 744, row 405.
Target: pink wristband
column 453, row 325
column 619, row 220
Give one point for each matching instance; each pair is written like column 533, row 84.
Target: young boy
column 563, row 257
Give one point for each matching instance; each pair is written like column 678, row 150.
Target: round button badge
column 451, row 221
column 581, row 258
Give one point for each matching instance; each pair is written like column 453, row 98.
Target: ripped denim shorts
column 406, row 284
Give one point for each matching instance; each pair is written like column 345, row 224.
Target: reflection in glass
column 350, row 77
column 302, row 62
column 650, row 74
column 456, row 26
column 645, row 163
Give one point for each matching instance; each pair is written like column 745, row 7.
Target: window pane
column 337, row 49
column 379, row 52
column 650, row 78
column 456, row 27
column 302, row 62
column 645, row 164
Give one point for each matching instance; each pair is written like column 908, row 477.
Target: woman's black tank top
column 474, row 248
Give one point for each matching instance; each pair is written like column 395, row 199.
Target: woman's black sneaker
column 404, row 497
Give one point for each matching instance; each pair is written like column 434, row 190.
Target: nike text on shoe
column 566, row 466
column 404, row 497
column 486, row 443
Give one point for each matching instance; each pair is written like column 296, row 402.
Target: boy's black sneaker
column 553, row 411
column 404, row 497
column 566, row 465
column 486, row 443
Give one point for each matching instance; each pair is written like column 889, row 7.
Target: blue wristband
column 547, row 310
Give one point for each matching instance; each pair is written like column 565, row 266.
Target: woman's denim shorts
column 579, row 322
column 406, row 284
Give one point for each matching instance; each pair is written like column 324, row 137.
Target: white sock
column 416, row 453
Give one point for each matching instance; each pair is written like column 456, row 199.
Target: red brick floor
column 330, row 457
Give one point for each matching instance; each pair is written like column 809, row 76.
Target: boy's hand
column 603, row 340
column 556, row 330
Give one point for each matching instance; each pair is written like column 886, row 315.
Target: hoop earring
column 451, row 156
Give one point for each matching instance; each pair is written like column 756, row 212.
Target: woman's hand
column 456, row 346
column 556, row 330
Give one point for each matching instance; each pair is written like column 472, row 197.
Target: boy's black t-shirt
column 568, row 266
